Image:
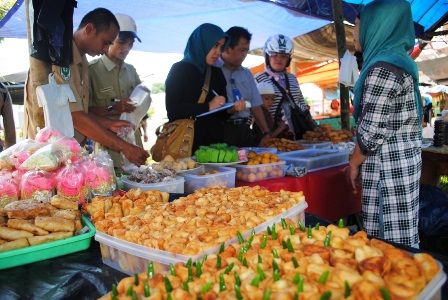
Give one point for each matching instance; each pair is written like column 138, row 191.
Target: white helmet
column 278, row 44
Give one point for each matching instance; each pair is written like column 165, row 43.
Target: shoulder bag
column 176, row 138
column 302, row 121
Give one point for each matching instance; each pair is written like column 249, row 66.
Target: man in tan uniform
column 112, row 80
column 8, row 118
column 97, row 31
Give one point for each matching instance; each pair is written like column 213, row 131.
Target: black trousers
column 240, row 135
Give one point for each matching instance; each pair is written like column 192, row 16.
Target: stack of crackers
column 31, row 222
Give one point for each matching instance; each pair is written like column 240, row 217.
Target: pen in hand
column 215, row 93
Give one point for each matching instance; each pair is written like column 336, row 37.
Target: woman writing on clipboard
column 185, row 82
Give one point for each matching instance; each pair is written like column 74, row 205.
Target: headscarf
column 200, row 42
column 386, row 33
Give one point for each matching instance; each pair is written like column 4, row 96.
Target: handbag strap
column 285, row 94
column 206, row 85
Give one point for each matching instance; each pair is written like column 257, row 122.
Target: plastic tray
column 260, row 172
column 433, row 290
column 259, row 150
column 315, row 144
column 175, row 186
column 132, row 258
column 315, row 159
column 48, row 250
column 194, row 181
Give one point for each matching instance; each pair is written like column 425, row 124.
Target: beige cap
column 128, row 29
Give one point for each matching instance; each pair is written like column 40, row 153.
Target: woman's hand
column 353, row 174
column 125, row 105
column 217, row 102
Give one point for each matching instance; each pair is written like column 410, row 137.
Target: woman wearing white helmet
column 277, row 51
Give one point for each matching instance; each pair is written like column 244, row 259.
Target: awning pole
column 342, row 47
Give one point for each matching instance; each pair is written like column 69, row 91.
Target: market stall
column 83, row 275
column 327, row 191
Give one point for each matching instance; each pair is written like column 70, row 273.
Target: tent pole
column 342, row 47
column 37, row 75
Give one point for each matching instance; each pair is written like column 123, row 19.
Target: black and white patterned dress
column 389, row 133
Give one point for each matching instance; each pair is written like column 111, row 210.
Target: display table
column 328, row 192
column 83, row 275
column 434, row 164
column 335, row 122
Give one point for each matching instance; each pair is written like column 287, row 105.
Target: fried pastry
column 27, row 225
column 16, row 244
column 27, row 209
column 36, row 240
column 55, row 224
column 63, row 203
column 11, row 234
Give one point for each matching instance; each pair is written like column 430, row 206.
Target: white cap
column 265, row 88
column 128, row 29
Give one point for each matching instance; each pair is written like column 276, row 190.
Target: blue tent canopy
column 164, row 26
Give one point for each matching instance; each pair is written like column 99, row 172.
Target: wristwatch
column 110, row 108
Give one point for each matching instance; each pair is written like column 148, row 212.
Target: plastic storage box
column 260, row 172
column 315, row 159
column 315, row 144
column 259, row 150
column 175, row 186
column 48, row 250
column 193, row 180
column 132, row 258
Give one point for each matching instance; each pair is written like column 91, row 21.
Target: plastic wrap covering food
column 127, row 134
column 71, row 182
column 6, row 162
column 24, row 150
column 9, row 190
column 67, row 148
column 37, row 184
column 148, row 175
column 47, row 158
column 47, row 135
column 100, row 175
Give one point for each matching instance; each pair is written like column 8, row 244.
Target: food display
column 208, row 175
column 132, row 202
column 217, row 153
column 37, row 185
column 71, row 182
column 202, row 220
column 146, row 178
column 26, row 223
column 325, row 132
column 290, row 261
column 283, row 145
column 180, row 164
column 260, row 166
column 316, row 159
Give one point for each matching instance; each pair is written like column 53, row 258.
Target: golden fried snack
column 27, row 225
column 27, row 209
column 428, row 264
column 55, row 224
column 11, row 234
column 377, row 264
column 16, row 244
column 3, row 220
column 2, row 241
column 36, row 240
column 63, row 203
column 68, row 214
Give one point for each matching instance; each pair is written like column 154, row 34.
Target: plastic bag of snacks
column 25, row 150
column 71, row 182
column 67, row 148
column 100, row 175
column 46, row 158
column 9, row 189
column 6, row 162
column 37, row 185
column 127, row 134
column 47, row 134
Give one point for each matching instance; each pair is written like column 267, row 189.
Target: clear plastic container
column 259, row 150
column 315, row 144
column 194, row 180
column 175, row 186
column 316, row 159
column 132, row 258
column 260, row 172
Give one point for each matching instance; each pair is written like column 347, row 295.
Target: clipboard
column 225, row 106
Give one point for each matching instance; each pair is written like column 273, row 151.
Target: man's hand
column 135, row 154
column 115, row 125
column 353, row 174
column 124, row 106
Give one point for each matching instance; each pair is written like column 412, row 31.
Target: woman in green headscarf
column 185, row 81
column 388, row 114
